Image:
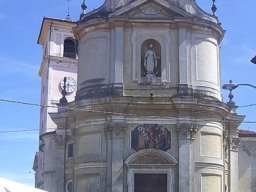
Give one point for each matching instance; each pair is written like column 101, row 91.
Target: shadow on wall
column 247, row 166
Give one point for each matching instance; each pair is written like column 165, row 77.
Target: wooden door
column 150, row 183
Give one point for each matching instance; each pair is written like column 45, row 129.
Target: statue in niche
column 151, row 61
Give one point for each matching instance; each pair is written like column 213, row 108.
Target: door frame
column 133, row 171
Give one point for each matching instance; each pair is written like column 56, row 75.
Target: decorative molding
column 116, row 129
column 183, row 89
column 150, row 157
column 59, row 140
column 98, row 90
column 186, row 130
column 234, row 143
column 70, row 138
column 150, row 11
column 73, row 132
column 208, row 165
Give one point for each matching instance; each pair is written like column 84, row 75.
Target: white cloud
column 13, row 66
column 18, row 78
column 236, row 54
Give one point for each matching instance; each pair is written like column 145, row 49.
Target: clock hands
column 70, row 85
column 64, row 92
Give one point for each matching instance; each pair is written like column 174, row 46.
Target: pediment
column 150, row 157
column 157, row 9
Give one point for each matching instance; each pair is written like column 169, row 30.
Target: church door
column 150, row 183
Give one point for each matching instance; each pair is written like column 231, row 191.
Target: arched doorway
column 150, row 170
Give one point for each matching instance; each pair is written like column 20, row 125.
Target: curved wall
column 113, row 56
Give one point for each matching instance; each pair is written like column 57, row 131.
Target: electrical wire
column 249, row 105
column 19, row 131
column 109, row 112
column 24, row 103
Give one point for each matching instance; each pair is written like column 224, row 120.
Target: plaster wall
column 247, row 165
column 56, row 40
column 53, row 172
column 208, row 155
column 52, row 91
column 94, row 58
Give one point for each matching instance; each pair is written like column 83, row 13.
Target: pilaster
column 119, row 54
column 186, row 134
column 184, row 67
column 116, row 140
column 234, row 140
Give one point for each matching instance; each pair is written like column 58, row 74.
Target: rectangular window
column 70, row 150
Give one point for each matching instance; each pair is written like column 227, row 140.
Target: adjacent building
column 132, row 103
column 247, row 161
column 59, row 60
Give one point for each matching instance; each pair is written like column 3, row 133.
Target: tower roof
column 48, row 22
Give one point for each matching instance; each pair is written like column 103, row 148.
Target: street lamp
column 230, row 87
column 253, row 60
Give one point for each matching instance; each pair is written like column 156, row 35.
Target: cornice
column 164, row 107
column 58, row 61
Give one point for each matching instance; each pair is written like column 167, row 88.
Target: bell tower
column 59, row 61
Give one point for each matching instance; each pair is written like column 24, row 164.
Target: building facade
column 147, row 113
column 247, row 161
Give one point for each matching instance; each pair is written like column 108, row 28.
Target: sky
column 21, row 56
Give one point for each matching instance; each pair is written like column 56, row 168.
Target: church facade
column 145, row 112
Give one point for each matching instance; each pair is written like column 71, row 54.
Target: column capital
column 115, row 129
column 234, row 143
column 186, row 130
column 59, row 140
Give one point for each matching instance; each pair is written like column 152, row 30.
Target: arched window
column 70, row 48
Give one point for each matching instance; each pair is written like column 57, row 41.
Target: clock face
column 70, row 84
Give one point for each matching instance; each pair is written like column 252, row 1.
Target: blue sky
column 20, row 58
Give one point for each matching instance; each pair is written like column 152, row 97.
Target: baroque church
column 131, row 102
